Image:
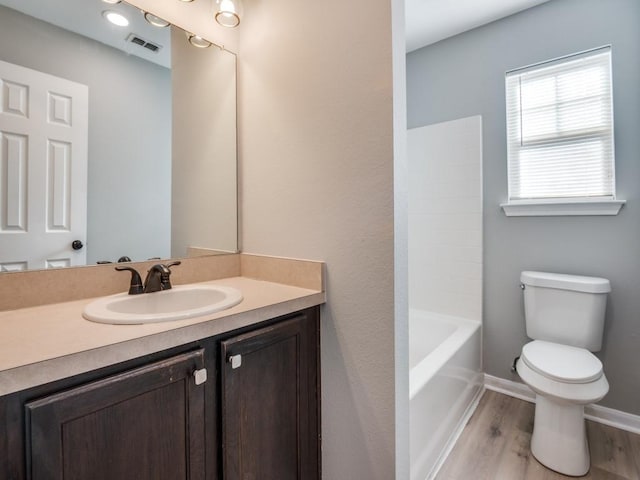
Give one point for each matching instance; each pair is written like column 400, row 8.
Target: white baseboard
column 597, row 413
column 614, row 418
column 508, row 387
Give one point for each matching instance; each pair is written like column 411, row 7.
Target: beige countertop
column 49, row 342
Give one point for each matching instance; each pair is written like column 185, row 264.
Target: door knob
column 77, row 245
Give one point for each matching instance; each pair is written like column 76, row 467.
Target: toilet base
column 559, row 439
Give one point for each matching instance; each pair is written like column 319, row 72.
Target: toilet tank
column 566, row 309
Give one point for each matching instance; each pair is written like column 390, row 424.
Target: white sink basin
column 184, row 301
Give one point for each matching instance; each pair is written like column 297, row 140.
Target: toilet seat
column 562, row 391
column 562, row 363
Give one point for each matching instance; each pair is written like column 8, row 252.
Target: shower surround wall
column 445, row 285
column 445, row 218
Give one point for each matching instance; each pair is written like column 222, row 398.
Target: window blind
column 560, row 129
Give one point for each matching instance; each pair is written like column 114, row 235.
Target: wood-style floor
column 495, row 446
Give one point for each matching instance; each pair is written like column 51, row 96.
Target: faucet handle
column 158, row 277
column 166, row 282
column 136, row 282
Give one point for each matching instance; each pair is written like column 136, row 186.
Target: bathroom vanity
column 234, row 396
column 184, row 413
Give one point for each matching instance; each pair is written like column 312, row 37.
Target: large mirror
column 115, row 141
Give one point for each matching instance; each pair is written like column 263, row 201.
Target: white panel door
column 43, row 169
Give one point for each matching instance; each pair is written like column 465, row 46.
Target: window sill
column 568, row 208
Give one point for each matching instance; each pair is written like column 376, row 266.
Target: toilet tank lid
column 563, row 281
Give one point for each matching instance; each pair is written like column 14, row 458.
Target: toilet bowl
column 565, row 379
column 565, row 319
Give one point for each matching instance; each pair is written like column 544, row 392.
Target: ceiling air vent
column 138, row 40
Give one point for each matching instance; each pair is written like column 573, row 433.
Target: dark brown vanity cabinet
column 256, row 416
column 144, row 424
column 269, row 403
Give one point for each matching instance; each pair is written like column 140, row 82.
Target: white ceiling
column 429, row 21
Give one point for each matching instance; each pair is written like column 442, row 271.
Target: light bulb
column 116, row 18
column 198, row 41
column 228, row 12
column 155, row 21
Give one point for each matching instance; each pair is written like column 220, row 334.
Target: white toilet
column 565, row 318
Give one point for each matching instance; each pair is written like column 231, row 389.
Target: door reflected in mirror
column 158, row 155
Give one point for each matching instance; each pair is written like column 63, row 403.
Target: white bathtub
column 445, row 380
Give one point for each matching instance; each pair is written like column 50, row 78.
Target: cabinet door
column 269, row 403
column 145, row 424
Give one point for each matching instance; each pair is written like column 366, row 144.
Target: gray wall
column 129, row 184
column 464, row 76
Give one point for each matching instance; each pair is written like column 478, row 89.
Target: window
column 560, row 137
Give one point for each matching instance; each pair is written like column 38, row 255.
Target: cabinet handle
column 200, row 376
column 235, row 361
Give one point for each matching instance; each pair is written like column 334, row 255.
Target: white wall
column 445, row 218
column 316, row 156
